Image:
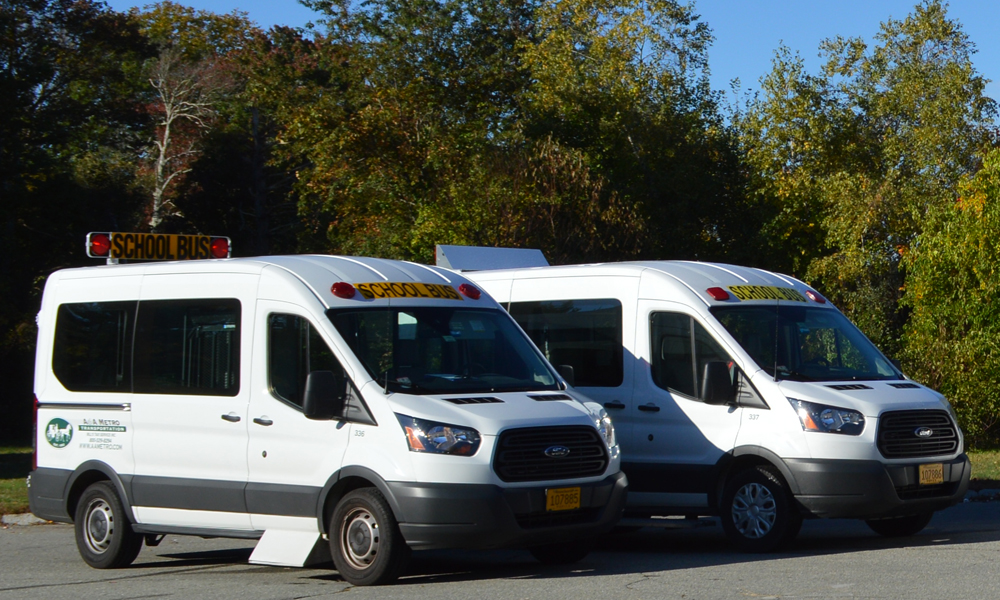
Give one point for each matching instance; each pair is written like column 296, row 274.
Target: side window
column 294, row 349
column 681, row 347
column 585, row 334
column 188, row 347
column 92, row 350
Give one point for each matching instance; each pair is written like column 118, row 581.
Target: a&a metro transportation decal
column 58, row 433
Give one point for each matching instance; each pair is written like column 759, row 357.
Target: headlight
column 828, row 419
column 439, row 438
column 606, row 428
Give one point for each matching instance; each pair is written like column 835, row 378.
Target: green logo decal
column 58, row 432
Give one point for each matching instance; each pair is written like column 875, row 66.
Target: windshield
column 805, row 344
column 442, row 350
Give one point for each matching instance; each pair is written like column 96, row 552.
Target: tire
column 365, row 541
column 900, row 526
column 564, row 553
column 757, row 511
column 104, row 535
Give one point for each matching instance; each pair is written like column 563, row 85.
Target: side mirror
column 567, row 373
column 717, row 386
column 324, row 397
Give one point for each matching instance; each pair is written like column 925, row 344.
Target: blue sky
column 746, row 31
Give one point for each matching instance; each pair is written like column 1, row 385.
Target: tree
column 853, row 159
column 188, row 79
column 953, row 337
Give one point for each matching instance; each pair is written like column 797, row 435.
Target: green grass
column 985, row 464
column 14, row 466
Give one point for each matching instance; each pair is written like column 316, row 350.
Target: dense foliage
column 585, row 128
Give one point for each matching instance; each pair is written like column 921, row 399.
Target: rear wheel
column 563, row 553
column 900, row 526
column 365, row 541
column 103, row 534
column 757, row 510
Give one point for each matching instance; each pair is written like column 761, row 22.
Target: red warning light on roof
column 344, row 290
column 815, row 297
column 220, row 247
column 717, row 293
column 470, row 291
column 99, row 244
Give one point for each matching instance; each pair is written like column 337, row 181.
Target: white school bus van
column 380, row 405
column 744, row 394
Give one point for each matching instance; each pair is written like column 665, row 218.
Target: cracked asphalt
column 957, row 556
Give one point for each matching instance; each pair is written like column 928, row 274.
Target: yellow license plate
column 562, row 498
column 931, row 474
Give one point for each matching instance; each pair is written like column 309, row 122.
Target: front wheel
column 900, row 526
column 365, row 541
column 757, row 510
column 103, row 534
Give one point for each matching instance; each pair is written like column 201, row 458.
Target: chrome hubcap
column 359, row 538
column 754, row 510
column 99, row 526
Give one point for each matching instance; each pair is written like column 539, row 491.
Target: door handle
column 614, row 404
column 649, row 407
column 263, row 421
column 231, row 418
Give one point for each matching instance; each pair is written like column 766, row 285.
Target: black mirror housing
column 324, row 396
column 717, row 386
column 568, row 373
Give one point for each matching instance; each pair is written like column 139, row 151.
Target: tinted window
column 585, row 334
column 443, row 350
column 805, row 343
column 681, row 348
column 188, row 347
column 92, row 350
column 295, row 349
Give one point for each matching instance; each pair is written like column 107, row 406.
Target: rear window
column 92, row 350
column 584, row 334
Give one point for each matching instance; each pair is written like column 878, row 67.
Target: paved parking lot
column 957, row 556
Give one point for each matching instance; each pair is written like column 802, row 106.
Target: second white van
column 742, row 393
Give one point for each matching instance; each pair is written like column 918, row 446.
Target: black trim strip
column 189, row 494
column 204, row 532
column 284, row 500
column 126, row 406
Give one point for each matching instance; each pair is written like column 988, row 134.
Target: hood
column 870, row 397
column 489, row 413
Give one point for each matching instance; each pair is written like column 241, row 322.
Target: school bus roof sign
column 156, row 246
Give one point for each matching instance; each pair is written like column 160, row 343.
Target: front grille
column 520, row 454
column 897, row 434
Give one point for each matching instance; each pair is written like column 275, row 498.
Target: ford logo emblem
column 557, row 452
column 923, row 432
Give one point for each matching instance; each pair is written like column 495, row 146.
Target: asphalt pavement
column 957, row 556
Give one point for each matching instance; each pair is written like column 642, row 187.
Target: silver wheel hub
column 99, row 526
column 359, row 538
column 754, row 510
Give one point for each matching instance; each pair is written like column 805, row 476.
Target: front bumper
column 869, row 489
column 448, row 515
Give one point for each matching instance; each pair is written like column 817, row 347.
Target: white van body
column 184, row 387
column 686, row 454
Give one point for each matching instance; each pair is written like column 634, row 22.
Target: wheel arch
column 749, row 456
column 89, row 473
column 346, row 480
